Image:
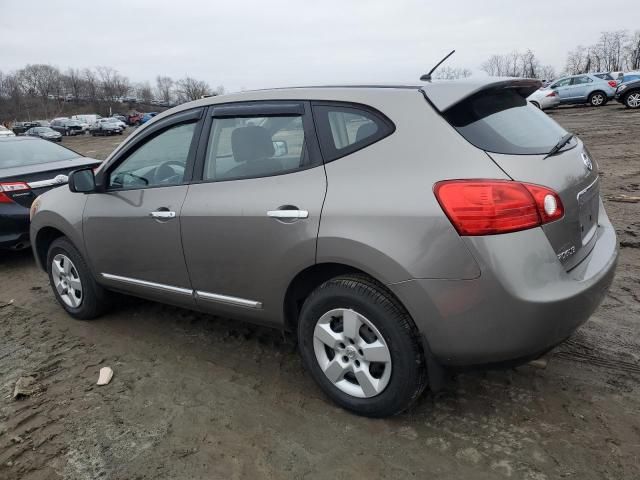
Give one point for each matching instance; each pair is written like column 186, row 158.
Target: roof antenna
column 427, row 77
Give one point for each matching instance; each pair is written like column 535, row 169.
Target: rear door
column 518, row 136
column 132, row 227
column 581, row 87
column 250, row 223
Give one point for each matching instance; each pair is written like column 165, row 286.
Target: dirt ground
column 197, row 397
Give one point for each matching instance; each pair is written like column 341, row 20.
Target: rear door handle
column 288, row 214
column 164, row 214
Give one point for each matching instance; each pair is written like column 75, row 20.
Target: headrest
column 366, row 130
column 251, row 143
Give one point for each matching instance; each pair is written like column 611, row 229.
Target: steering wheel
column 164, row 171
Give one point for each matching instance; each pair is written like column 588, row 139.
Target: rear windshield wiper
column 561, row 143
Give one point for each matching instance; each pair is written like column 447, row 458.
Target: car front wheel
column 361, row 347
column 72, row 282
column 632, row 100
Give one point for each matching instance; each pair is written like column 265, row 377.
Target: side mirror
column 280, row 148
column 82, row 181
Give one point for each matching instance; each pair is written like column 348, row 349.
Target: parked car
column 121, row 118
column 629, row 77
column 628, row 93
column 147, row 116
column 5, row 132
column 66, row 126
column 45, row 133
column 134, row 118
column 105, row 126
column 19, row 128
column 484, row 241
column 42, row 123
column 584, row 88
column 544, row 98
column 29, row 167
column 117, row 121
column 89, row 119
column 490, row 243
column 608, row 77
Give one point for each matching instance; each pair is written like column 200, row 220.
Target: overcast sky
column 255, row 44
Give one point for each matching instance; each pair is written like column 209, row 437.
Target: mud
column 196, row 397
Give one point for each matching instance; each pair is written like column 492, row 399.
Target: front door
column 563, row 87
column 251, row 223
column 132, row 228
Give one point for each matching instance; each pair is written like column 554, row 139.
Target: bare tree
column 73, row 83
column 632, row 52
column 451, row 73
column 91, row 84
column 188, row 89
column 164, row 88
column 516, row 64
column 144, row 92
column 41, row 81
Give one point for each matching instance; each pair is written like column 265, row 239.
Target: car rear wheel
column 597, row 99
column 632, row 100
column 361, row 347
column 535, row 104
column 72, row 283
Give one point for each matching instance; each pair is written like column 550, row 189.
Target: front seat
column 253, row 148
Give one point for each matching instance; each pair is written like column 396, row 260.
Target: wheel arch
column 42, row 241
column 311, row 278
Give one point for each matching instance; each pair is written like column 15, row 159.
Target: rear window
column 502, row 121
column 17, row 153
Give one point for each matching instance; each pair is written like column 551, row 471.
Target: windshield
column 502, row 121
column 18, row 153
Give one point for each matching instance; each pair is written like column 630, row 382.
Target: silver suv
column 399, row 231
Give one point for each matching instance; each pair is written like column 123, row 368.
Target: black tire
column 597, row 99
column 536, row 104
column 628, row 99
column 408, row 370
column 95, row 299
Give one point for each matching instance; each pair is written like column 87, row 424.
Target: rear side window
column 582, row 80
column 502, row 121
column 345, row 129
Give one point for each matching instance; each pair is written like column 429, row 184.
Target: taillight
column 11, row 187
column 613, row 83
column 490, row 207
column 552, row 94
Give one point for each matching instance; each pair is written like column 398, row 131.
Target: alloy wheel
column 352, row 353
column 597, row 99
column 66, row 280
column 633, row 100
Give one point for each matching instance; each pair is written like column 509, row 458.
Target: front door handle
column 288, row 214
column 164, row 214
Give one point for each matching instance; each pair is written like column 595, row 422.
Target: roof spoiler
column 444, row 95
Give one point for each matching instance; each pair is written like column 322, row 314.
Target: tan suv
column 399, row 230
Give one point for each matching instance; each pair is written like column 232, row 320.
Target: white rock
column 106, row 374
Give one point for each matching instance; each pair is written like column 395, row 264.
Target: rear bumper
column 14, row 226
column 523, row 304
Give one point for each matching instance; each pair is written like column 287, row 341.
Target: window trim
column 149, row 133
column 258, row 108
column 325, row 137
